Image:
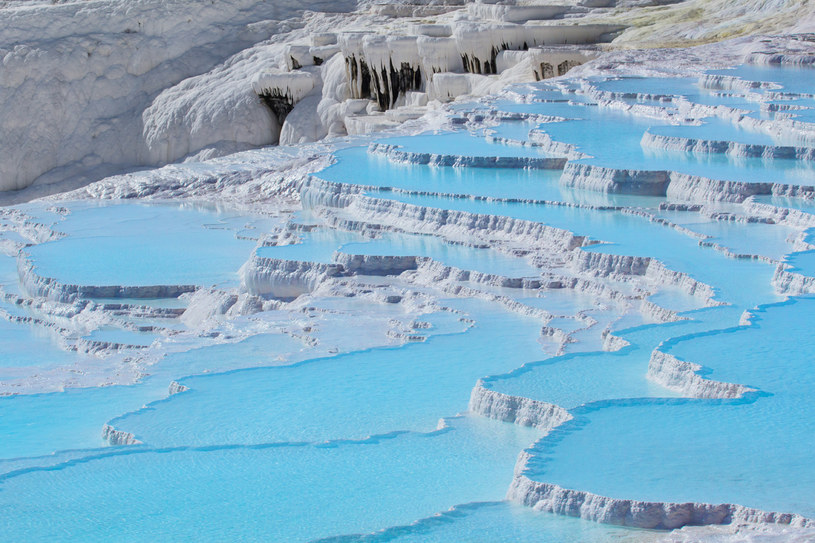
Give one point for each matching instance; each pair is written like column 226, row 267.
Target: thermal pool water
column 457, row 336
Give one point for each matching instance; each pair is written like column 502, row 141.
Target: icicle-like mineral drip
column 377, row 55
column 281, row 90
column 479, row 44
column 359, row 75
column 393, row 67
column 405, row 66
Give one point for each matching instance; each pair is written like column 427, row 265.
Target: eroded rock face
column 94, row 68
column 654, row 515
column 175, row 87
column 280, row 91
column 681, row 376
column 523, row 411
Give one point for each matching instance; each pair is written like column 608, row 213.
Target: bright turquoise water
column 602, row 139
column 357, row 166
column 752, row 451
column 272, row 441
column 574, row 380
column 269, row 492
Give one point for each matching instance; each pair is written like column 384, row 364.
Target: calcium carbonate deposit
column 410, row 271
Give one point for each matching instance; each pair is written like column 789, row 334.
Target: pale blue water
column 9, row 278
column 122, row 337
column 356, row 165
column 660, row 86
column 561, row 302
column 676, row 299
column 719, row 130
column 164, row 303
column 319, row 245
column 269, row 349
column 808, row 206
column 460, row 143
column 365, row 393
column 770, row 240
column 685, row 87
column 789, row 78
column 612, row 139
column 40, row 424
column 25, row 345
column 272, row 441
column 803, row 262
column 628, row 235
column 166, row 245
column 804, row 115
column 513, row 130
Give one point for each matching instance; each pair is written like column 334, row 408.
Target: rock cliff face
column 78, row 77
column 280, row 91
column 451, row 224
column 515, row 409
column 396, row 154
column 790, row 283
column 52, row 289
column 656, row 515
column 118, row 437
column 682, row 377
column 588, row 177
column 736, row 149
column 155, row 82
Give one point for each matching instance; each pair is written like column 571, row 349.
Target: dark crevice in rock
column 280, row 104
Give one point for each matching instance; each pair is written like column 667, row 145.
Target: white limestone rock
column 683, row 377
column 651, row 515
column 78, row 78
column 515, row 409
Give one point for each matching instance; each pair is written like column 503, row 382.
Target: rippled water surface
column 355, row 411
